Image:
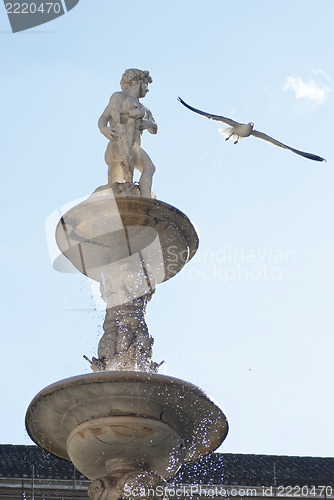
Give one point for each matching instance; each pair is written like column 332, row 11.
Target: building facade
column 30, row 473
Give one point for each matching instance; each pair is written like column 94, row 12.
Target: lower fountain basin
column 94, row 419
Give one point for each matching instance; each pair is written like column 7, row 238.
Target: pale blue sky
column 251, row 319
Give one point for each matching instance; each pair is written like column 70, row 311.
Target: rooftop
column 20, row 461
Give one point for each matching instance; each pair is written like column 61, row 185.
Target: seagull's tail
column 228, row 133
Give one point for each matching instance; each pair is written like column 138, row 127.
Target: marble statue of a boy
column 123, row 122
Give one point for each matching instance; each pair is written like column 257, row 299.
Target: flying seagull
column 239, row 130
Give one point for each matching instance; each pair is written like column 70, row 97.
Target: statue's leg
column 127, row 159
column 144, row 165
column 112, row 159
column 115, row 173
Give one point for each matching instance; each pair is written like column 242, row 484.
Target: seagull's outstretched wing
column 265, row 137
column 218, row 118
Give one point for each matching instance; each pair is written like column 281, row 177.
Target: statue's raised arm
column 122, row 123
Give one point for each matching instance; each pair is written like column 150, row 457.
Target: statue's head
column 134, row 77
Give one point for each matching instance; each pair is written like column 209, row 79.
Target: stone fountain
column 124, row 426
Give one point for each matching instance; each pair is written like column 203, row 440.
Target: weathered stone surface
column 97, row 419
column 123, row 122
column 126, row 343
column 136, row 484
column 105, row 232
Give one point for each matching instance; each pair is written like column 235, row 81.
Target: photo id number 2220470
column 304, row 491
column 33, row 8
